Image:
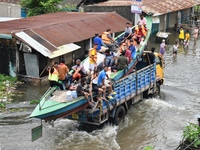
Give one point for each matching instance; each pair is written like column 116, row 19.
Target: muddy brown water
column 158, row 122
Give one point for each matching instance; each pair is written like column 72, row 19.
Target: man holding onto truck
column 84, row 92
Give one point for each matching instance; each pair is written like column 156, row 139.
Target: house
column 29, row 45
column 10, row 8
column 166, row 13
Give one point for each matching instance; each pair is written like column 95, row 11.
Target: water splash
column 158, row 103
column 69, row 137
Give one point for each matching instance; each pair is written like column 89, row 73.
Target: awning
column 68, row 48
column 61, row 50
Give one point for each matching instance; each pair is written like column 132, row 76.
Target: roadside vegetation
column 7, row 90
column 191, row 135
column 34, row 8
column 148, row 148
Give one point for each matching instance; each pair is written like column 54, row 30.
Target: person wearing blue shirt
column 103, row 82
column 132, row 49
column 99, row 41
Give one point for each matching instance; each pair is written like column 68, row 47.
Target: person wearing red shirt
column 128, row 54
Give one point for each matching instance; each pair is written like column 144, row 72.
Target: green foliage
column 191, row 133
column 8, row 78
column 148, row 148
column 38, row 7
column 2, row 106
column 34, row 101
column 7, row 89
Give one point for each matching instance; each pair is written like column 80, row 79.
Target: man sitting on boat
column 53, row 76
column 109, row 58
column 142, row 20
column 79, row 70
column 101, row 46
column 132, row 49
column 84, row 92
column 140, row 31
column 107, row 39
column 95, row 88
column 122, row 62
column 103, row 82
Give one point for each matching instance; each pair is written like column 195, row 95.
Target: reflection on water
column 156, row 122
column 30, row 92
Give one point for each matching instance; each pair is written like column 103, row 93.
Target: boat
column 53, row 103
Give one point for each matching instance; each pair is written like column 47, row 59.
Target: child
column 175, row 49
column 187, row 38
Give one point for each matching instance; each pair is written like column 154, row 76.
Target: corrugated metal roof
column 56, row 29
column 166, row 6
column 158, row 7
column 120, row 3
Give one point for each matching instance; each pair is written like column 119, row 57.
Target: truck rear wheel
column 119, row 115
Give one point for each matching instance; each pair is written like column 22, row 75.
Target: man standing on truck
column 103, row 82
column 53, row 76
column 63, row 72
column 93, row 58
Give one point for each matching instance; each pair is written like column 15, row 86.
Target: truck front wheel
column 157, row 90
column 119, row 115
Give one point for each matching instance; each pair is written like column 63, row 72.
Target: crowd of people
column 97, row 79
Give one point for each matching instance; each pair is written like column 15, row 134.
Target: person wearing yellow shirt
column 181, row 35
column 93, row 58
column 187, row 38
column 53, row 76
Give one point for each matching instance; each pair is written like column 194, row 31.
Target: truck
column 141, row 78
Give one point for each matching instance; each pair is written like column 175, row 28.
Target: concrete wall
column 162, row 23
column 10, row 10
column 172, row 19
column 124, row 11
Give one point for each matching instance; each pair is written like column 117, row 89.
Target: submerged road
column 158, row 122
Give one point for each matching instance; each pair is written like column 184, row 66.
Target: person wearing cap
column 53, row 76
column 79, row 70
column 162, row 47
column 93, row 58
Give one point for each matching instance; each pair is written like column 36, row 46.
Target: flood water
column 158, row 122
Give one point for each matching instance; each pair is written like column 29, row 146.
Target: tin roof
column 56, row 29
column 167, row 6
column 158, row 7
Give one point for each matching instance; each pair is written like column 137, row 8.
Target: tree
column 37, row 7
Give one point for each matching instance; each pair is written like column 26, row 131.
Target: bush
column 191, row 133
column 148, row 148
